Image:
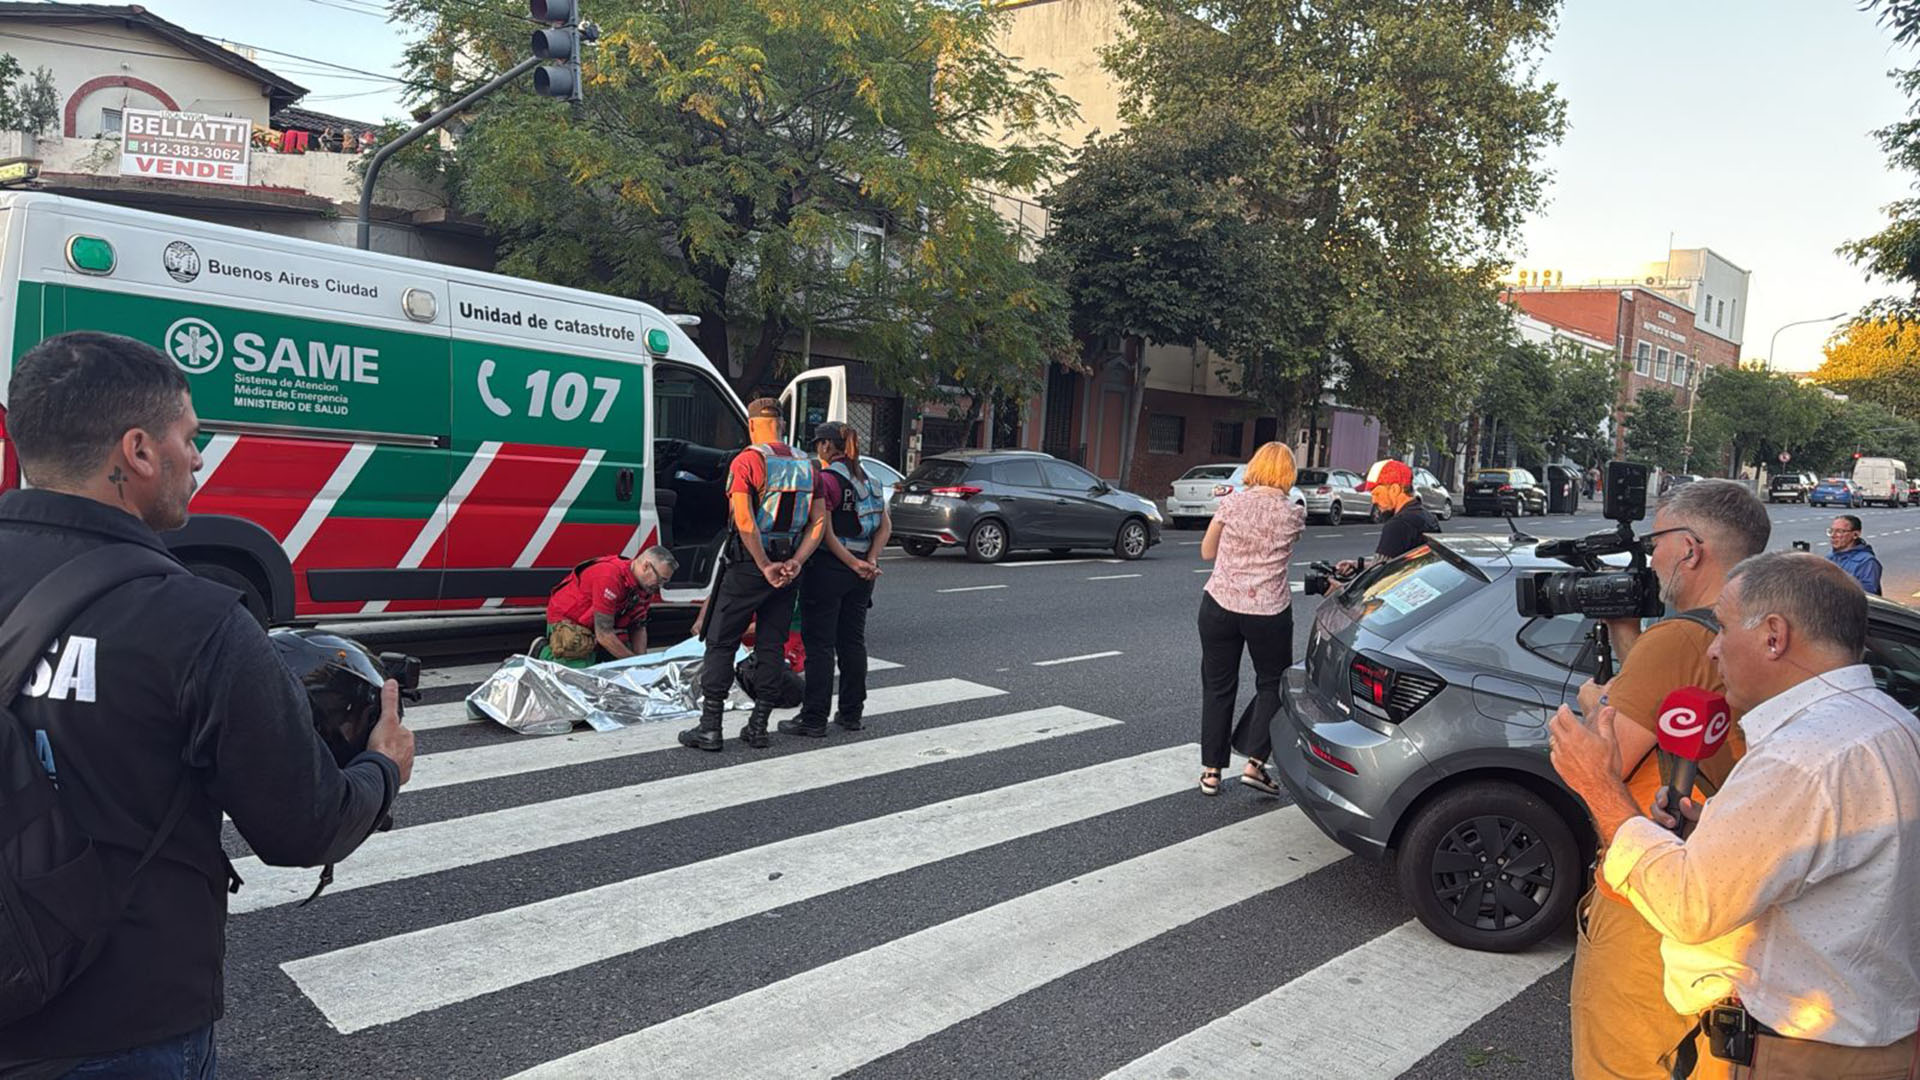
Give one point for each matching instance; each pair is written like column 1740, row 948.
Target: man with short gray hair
column 598, row 613
column 1787, row 916
column 1620, row 1026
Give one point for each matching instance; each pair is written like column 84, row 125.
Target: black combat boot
column 849, row 719
column 706, row 735
column 755, row 733
column 800, row 725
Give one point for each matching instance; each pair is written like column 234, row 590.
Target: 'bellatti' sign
column 185, row 146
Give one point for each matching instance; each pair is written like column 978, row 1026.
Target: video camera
column 1597, row 590
column 1320, row 578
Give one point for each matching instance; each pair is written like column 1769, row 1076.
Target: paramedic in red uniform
column 598, row 612
column 778, row 520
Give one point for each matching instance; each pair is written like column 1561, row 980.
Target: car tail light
column 1386, row 693
column 957, row 491
column 1505, row 488
column 1222, row 489
column 1323, row 490
column 9, row 464
column 1321, row 752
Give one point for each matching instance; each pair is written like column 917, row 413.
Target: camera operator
column 1409, row 523
column 160, row 705
column 1621, row 1023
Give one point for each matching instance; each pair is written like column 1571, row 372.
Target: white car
column 1197, row 494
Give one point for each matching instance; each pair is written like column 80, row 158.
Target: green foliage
column 1655, row 430
column 1761, row 413
column 1551, row 399
column 29, row 103
column 729, row 150
column 1391, row 152
column 1876, row 361
column 1893, row 254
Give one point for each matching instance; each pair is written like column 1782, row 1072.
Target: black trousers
column 833, row 623
column 743, row 598
column 1269, row 639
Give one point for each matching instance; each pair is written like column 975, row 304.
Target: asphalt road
column 1009, row 874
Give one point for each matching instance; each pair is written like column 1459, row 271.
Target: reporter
column 1247, row 605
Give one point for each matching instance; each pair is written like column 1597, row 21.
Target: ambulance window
column 688, row 406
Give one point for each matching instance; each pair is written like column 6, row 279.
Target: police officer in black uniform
column 165, row 686
column 1409, row 522
column 836, row 588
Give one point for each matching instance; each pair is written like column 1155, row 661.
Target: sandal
column 1259, row 780
column 1209, row 781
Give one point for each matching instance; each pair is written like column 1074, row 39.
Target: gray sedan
column 992, row 502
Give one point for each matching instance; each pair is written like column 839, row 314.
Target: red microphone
column 1693, row 725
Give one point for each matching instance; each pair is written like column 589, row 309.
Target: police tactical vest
column 780, row 506
column 862, row 504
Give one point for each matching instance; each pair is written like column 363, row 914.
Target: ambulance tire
column 222, row 574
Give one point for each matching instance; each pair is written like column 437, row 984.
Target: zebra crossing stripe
column 500, row 834
column 1325, row 1025
column 391, row 979
column 559, row 751
column 946, row 974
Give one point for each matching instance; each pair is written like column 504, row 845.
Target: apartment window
column 1642, row 358
column 1226, row 437
column 1736, row 310
column 1166, row 434
column 1706, row 310
column 1661, row 363
column 1679, row 370
column 1721, row 318
column 109, row 121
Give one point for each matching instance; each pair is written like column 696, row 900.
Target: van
column 385, row 436
column 1881, row 480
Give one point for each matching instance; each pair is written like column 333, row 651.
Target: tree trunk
column 758, row 365
column 1133, row 353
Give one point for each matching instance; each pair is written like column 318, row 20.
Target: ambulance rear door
column 811, row 399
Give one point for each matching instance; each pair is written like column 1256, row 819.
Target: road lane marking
column 390, row 979
column 1054, row 562
column 952, row 972
column 500, row 834
column 1325, row 1025
column 1112, row 577
column 971, row 588
column 1076, row 659
column 535, row 753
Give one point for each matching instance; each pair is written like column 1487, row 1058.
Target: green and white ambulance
column 390, row 436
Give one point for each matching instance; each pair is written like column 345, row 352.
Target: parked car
column 883, row 474
column 1913, row 492
column 1505, row 491
column 1880, row 480
column 1834, row 491
column 1433, row 493
column 1197, row 494
column 1333, row 494
column 1414, row 731
column 1788, row 487
column 992, row 502
column 1674, row 480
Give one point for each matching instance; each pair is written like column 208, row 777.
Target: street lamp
column 1802, row 322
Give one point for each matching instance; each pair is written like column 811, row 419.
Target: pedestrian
column 836, row 589
column 778, row 519
column 1787, row 918
column 598, row 612
column 1852, row 554
column 162, row 706
column 1408, row 521
column 1247, row 606
column 1620, row 1023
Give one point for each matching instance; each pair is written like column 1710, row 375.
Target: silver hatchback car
column 1415, row 730
column 1334, row 494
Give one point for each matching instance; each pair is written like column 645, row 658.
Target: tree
column 1514, row 393
column 1655, row 430
column 1893, row 254
column 1585, row 384
column 1394, row 151
column 1876, row 361
column 1762, row 412
column 764, row 164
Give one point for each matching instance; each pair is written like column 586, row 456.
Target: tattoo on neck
column 118, row 479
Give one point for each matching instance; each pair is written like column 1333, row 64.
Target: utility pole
column 559, row 41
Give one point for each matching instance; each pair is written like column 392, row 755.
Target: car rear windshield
column 1209, row 472
column 937, row 473
column 1395, row 597
column 1493, row 476
column 1309, row 478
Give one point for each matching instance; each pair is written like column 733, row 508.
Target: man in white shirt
column 1790, row 917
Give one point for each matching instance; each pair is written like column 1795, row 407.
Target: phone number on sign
column 193, row 151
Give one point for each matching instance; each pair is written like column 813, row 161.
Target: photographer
column 1409, row 523
column 173, row 707
column 1621, row 1023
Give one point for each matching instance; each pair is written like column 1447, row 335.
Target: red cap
column 1388, row 472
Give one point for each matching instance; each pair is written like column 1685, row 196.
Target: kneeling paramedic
column 778, row 519
column 837, row 589
column 599, row 611
column 150, row 701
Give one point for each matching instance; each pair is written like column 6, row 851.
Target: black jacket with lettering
column 161, row 676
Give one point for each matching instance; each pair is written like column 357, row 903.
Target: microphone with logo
column 1693, row 725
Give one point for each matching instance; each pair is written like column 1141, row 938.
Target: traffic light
column 560, row 41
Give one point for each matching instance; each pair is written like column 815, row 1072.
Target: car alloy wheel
column 987, row 542
column 1333, row 512
column 1132, row 541
column 1446, row 512
column 1490, row 866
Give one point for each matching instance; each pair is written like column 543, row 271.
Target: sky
column 1740, row 125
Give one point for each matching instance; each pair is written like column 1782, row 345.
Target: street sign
column 185, row 146
column 1785, row 457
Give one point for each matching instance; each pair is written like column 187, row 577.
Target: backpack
column 780, row 507
column 56, row 900
column 863, row 498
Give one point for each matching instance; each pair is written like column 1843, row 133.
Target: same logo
column 1683, row 722
column 181, row 261
column 194, row 345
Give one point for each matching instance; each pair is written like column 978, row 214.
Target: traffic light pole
column 381, row 155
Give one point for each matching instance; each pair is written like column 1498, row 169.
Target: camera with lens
column 1595, row 589
column 1320, row 578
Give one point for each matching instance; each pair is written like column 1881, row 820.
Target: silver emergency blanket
column 538, row 697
